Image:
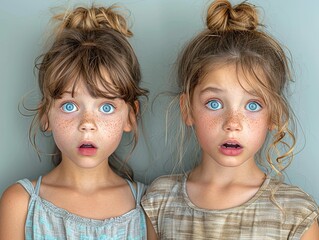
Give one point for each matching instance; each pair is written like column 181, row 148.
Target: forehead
column 226, row 75
column 99, row 85
column 230, row 76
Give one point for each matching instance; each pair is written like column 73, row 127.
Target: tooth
column 87, row 145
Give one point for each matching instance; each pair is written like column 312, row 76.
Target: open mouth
column 87, row 146
column 231, row 146
column 87, row 149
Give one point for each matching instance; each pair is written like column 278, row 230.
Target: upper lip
column 231, row 142
column 87, row 143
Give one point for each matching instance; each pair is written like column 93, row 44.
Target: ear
column 185, row 110
column 271, row 125
column 132, row 117
column 44, row 123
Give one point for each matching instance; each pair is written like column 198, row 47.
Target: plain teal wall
column 161, row 27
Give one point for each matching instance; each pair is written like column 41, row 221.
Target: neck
column 88, row 179
column 211, row 172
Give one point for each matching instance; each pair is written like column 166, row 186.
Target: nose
column 87, row 123
column 233, row 122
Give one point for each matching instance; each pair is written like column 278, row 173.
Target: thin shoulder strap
column 26, row 183
column 133, row 190
column 138, row 192
column 37, row 186
column 141, row 188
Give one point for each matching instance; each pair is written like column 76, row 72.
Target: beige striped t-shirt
column 174, row 216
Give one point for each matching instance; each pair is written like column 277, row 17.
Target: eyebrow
column 75, row 93
column 219, row 90
column 252, row 93
column 68, row 92
column 211, row 89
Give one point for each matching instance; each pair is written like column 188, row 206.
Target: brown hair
column 234, row 36
column 86, row 43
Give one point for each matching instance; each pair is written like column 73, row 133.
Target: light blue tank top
column 46, row 221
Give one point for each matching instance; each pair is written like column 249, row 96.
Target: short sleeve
column 150, row 203
column 309, row 209
column 157, row 197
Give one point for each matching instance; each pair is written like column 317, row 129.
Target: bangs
column 264, row 83
column 256, row 77
column 96, row 70
column 102, row 60
column 252, row 72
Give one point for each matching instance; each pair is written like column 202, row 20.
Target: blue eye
column 253, row 107
column 107, row 108
column 69, row 107
column 214, row 105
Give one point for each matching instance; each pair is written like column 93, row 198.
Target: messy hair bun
column 222, row 16
column 93, row 18
column 233, row 37
column 90, row 46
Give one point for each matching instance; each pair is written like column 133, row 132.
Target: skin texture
column 222, row 113
column 312, row 232
column 151, row 234
column 221, row 176
column 232, row 121
column 86, row 123
column 83, row 183
column 13, row 212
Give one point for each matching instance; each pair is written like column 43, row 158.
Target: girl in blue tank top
column 89, row 84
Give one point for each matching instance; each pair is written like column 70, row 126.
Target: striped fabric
column 175, row 217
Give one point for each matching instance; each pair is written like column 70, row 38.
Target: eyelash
column 259, row 106
column 108, row 104
column 221, row 106
column 63, row 105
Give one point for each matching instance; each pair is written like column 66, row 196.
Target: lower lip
column 87, row 151
column 231, row 151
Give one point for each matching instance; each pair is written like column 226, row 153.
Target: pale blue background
column 160, row 27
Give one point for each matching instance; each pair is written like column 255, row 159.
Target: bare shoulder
column 16, row 196
column 151, row 234
column 15, row 190
column 13, row 210
column 312, row 232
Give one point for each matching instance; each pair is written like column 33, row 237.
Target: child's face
column 231, row 123
column 87, row 130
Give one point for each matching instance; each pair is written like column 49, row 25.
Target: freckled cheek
column 62, row 131
column 212, row 123
column 209, row 123
column 62, row 125
column 111, row 128
column 257, row 131
column 258, row 123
